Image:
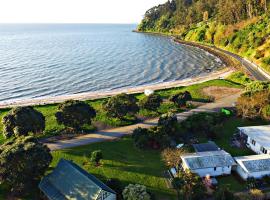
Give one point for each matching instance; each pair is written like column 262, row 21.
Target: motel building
column 257, row 138
column 210, row 163
column 255, row 166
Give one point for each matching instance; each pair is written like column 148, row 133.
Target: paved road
column 112, row 134
column 249, row 66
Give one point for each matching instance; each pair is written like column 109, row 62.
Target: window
column 263, row 150
column 215, row 169
column 253, row 142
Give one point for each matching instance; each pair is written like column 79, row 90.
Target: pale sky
column 74, row 11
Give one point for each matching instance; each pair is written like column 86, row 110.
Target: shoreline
column 220, row 74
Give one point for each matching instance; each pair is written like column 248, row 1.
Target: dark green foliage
column 204, row 124
column 239, row 77
column 180, row 99
column 170, row 123
column 96, row 156
column 120, row 105
column 151, row 102
column 266, row 112
column 75, row 114
column 256, row 86
column 135, row 192
column 116, row 185
column 267, row 60
column 153, row 138
column 23, row 161
column 23, row 120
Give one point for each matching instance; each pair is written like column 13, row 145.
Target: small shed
column 68, row 182
column 204, row 147
column 212, row 163
column 255, row 166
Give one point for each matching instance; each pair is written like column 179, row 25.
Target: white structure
column 148, row 92
column 258, row 138
column 211, row 163
column 255, row 166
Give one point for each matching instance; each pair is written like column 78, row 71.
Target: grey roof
column 69, row 181
column 210, row 146
column 255, row 163
column 260, row 134
column 208, row 160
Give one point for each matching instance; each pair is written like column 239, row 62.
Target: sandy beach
column 103, row 94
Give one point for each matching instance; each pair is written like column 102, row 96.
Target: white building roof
column 209, row 159
column 254, row 163
column 260, row 134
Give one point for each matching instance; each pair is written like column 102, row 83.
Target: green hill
column 240, row 26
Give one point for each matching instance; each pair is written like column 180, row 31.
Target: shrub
column 267, row 60
column 75, row 114
column 23, row 120
column 114, row 184
column 266, row 112
column 257, row 86
column 96, row 156
column 135, row 192
column 121, row 105
column 23, row 161
column 239, row 77
column 151, row 102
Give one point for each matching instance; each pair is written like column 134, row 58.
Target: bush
column 75, row 114
column 114, row 184
column 266, row 112
column 120, row 105
column 151, row 102
column 96, row 156
column 256, row 86
column 135, row 192
column 267, row 60
column 23, row 120
column 239, row 77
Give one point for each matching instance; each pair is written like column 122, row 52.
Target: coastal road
column 115, row 133
column 252, row 68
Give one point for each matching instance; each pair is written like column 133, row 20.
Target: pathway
column 115, row 133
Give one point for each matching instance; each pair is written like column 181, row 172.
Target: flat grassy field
column 52, row 128
column 124, row 162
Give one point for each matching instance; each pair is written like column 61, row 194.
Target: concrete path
column 112, row 134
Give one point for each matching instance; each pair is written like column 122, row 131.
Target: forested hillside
column 240, row 26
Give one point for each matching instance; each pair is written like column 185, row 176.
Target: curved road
column 249, row 66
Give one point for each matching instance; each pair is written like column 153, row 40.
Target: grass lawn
column 124, row 162
column 52, row 128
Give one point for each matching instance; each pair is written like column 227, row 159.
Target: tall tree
column 23, row 161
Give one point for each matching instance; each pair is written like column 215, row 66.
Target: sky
column 74, row 11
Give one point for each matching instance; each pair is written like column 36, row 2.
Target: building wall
column 244, row 175
column 212, row 172
column 257, row 147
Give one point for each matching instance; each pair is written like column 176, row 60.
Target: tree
column 252, row 105
column 23, row 120
column 96, row 156
column 75, row 114
column 23, row 161
column 192, row 187
column 121, row 105
column 180, row 99
column 135, row 192
column 151, row 102
column 171, row 157
column 169, row 122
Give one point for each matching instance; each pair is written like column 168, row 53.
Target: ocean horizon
column 40, row 60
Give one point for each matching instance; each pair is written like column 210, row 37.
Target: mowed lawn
column 122, row 161
column 52, row 128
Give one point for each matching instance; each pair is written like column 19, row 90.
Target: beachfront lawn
column 124, row 162
column 103, row 121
